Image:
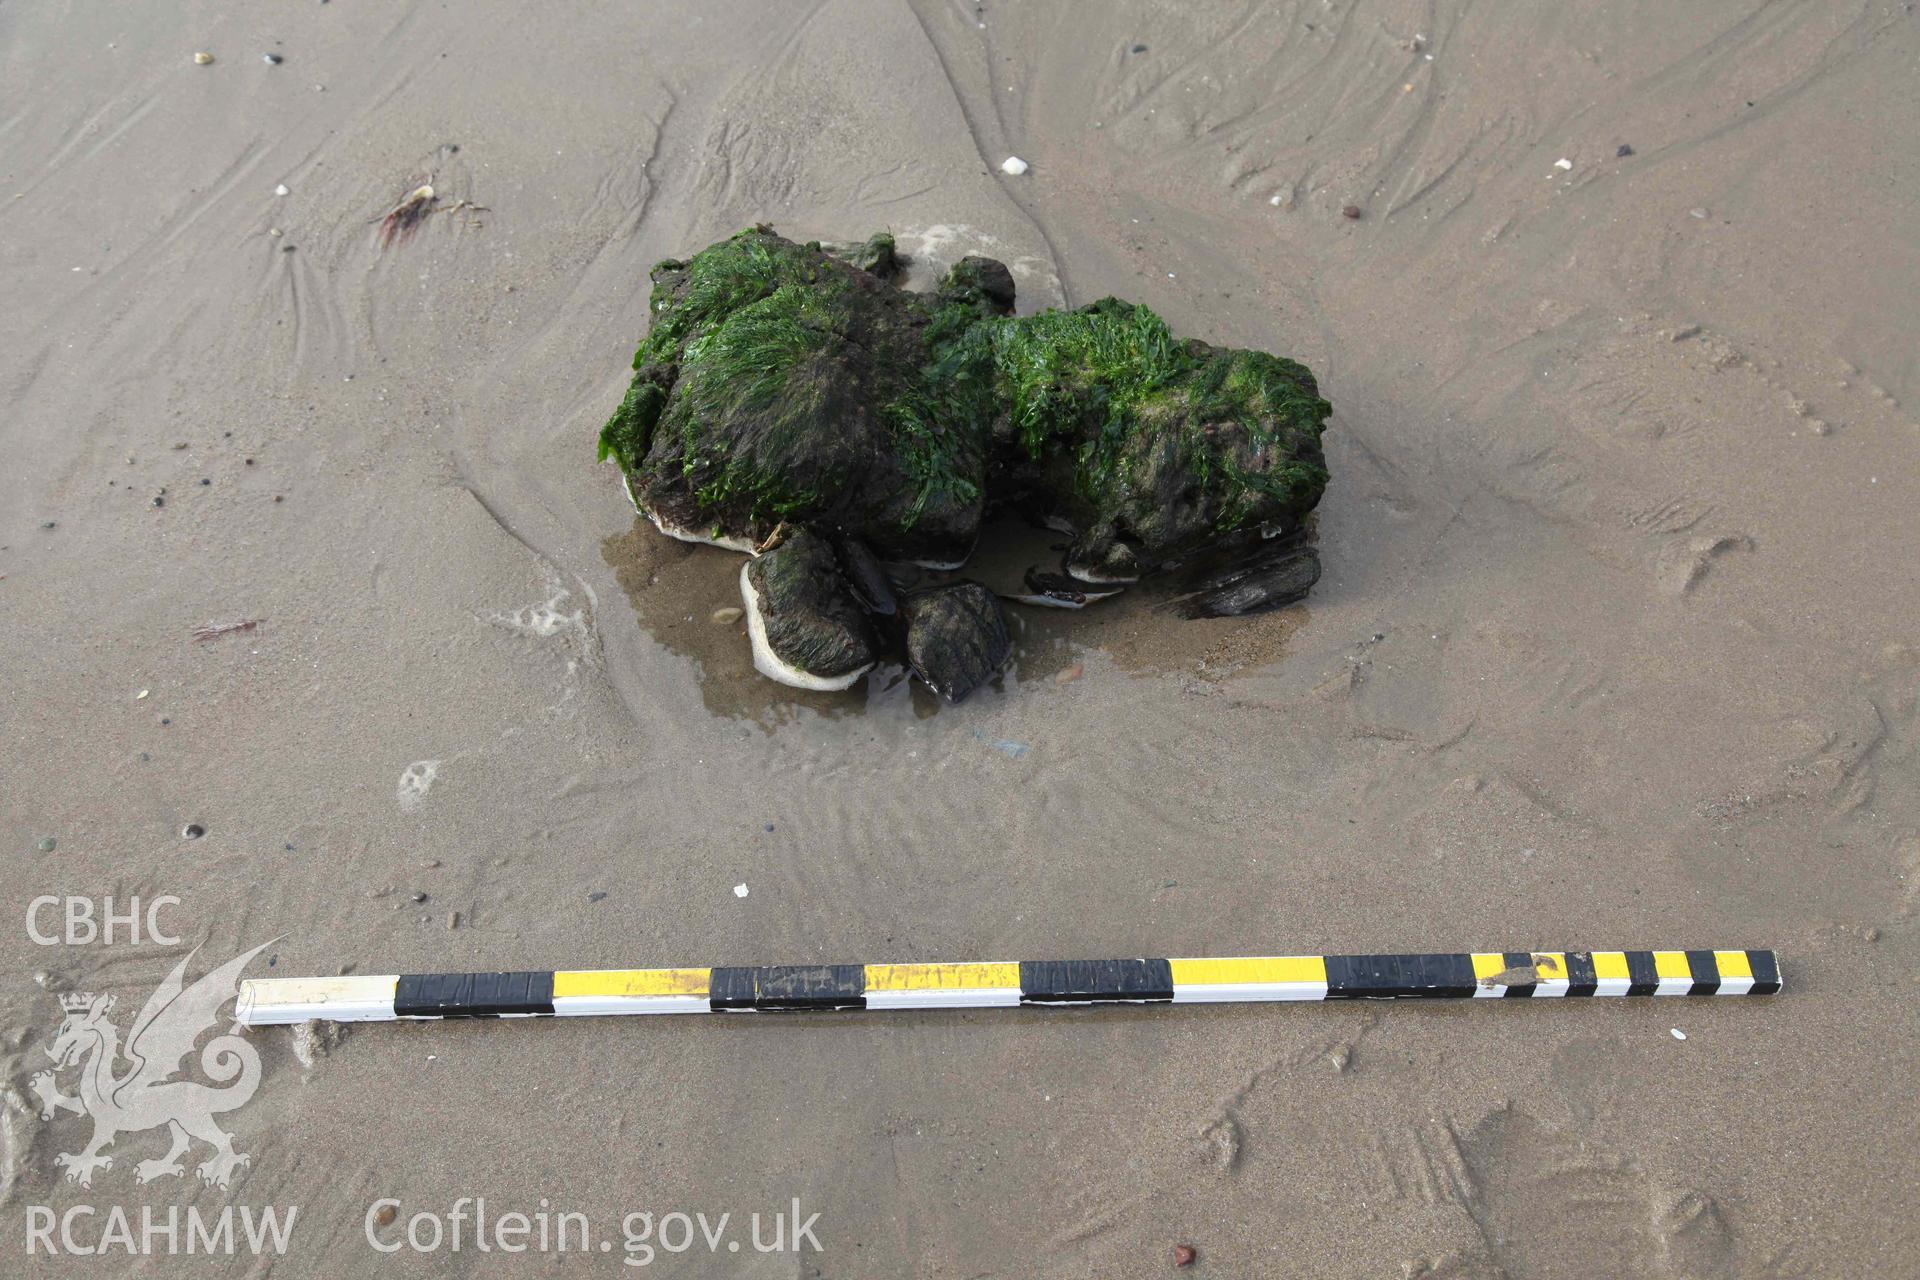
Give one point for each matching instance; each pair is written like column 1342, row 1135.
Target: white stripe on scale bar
column 946, row 998
column 1238, row 992
column 271, row 1002
column 588, row 1006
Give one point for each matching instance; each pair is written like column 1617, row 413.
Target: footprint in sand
column 415, row 781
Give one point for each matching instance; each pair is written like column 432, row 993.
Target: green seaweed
column 1068, row 371
column 878, row 256
column 779, row 383
column 629, row 432
column 750, row 365
column 943, row 416
column 1105, row 378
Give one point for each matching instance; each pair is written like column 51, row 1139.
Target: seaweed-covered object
column 783, row 385
column 779, row 383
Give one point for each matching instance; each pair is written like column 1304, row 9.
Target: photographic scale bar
column 1007, row 984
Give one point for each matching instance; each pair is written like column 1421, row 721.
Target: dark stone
column 956, row 638
column 1057, row 586
column 1110, row 560
column 981, row 280
column 878, row 256
column 1270, row 577
column 871, row 586
column 808, row 611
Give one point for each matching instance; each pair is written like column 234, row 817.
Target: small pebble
column 1070, row 674
column 1351, row 211
column 596, row 895
column 205, row 481
column 282, row 190
column 143, row 693
column 46, row 846
column 192, row 831
column 384, row 1216
column 1013, row 166
column 50, row 524
column 453, row 919
column 159, row 501
column 730, row 614
column 203, row 59
column 1183, row 1255
column 1624, row 151
column 1563, row 163
column 419, row 897
column 1678, row 1034
column 740, row 891
column 1139, row 48
column 272, row 59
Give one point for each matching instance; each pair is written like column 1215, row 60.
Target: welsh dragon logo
column 146, row 1095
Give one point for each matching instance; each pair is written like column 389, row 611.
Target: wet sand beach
column 1615, row 647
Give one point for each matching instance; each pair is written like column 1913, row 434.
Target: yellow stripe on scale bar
column 962, row 985
column 1674, row 973
column 581, row 993
column 630, row 982
column 1240, row 978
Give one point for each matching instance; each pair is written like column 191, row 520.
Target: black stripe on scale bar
column 1706, row 973
column 1643, row 976
column 1581, row 978
column 1364, row 977
column 780, row 988
column 472, row 995
column 1766, row 972
column 1085, row 981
